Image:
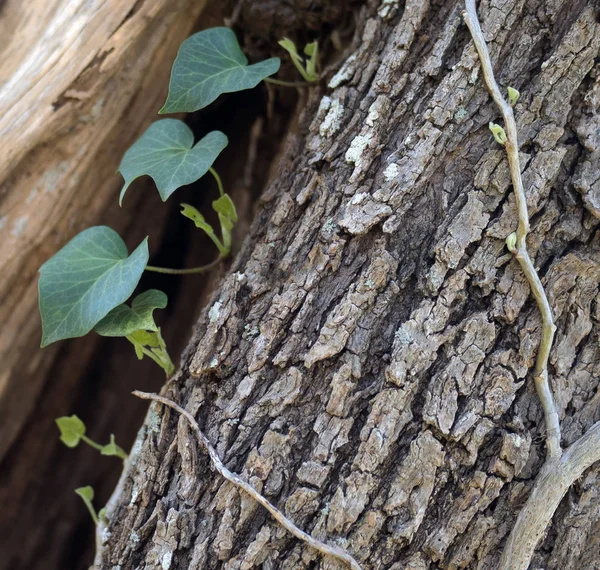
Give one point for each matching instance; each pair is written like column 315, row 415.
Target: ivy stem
column 190, row 271
column 218, row 179
column 287, row 83
column 91, row 509
column 520, row 248
column 91, row 442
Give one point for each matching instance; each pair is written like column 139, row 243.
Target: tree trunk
column 364, row 364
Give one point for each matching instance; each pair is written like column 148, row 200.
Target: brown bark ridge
column 364, row 364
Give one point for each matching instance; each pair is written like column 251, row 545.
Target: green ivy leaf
column 152, row 345
column 85, row 280
column 145, row 338
column 113, row 449
column 307, row 69
column 289, row 46
column 201, row 223
column 166, row 152
column 498, row 132
column 71, row 430
column 208, row 64
column 86, row 493
column 199, row 220
column 225, row 207
column 312, row 51
column 513, row 96
column 124, row 320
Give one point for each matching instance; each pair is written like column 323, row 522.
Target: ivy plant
column 136, row 324
column 72, row 431
column 85, row 286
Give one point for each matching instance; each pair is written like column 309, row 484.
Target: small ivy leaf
column 498, row 133
column 308, row 71
column 225, row 207
column 166, row 152
column 124, row 320
column 200, row 222
column 71, row 430
column 152, row 345
column 209, row 64
column 227, row 219
column 102, row 515
column 196, row 217
column 85, row 280
column 112, row 448
column 146, row 338
column 86, row 493
column 511, row 242
column 312, row 51
column 513, row 96
column 289, row 46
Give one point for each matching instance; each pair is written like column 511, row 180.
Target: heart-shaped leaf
column 166, row 152
column 71, row 430
column 124, row 320
column 208, row 64
column 87, row 494
column 85, row 280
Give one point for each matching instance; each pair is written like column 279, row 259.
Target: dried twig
column 286, row 523
column 519, row 249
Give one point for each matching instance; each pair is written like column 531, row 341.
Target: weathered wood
column 78, row 82
column 365, row 363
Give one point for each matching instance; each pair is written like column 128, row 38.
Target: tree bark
column 364, row 364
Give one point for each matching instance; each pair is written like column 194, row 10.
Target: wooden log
column 79, row 81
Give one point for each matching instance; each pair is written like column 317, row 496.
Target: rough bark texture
column 365, row 362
